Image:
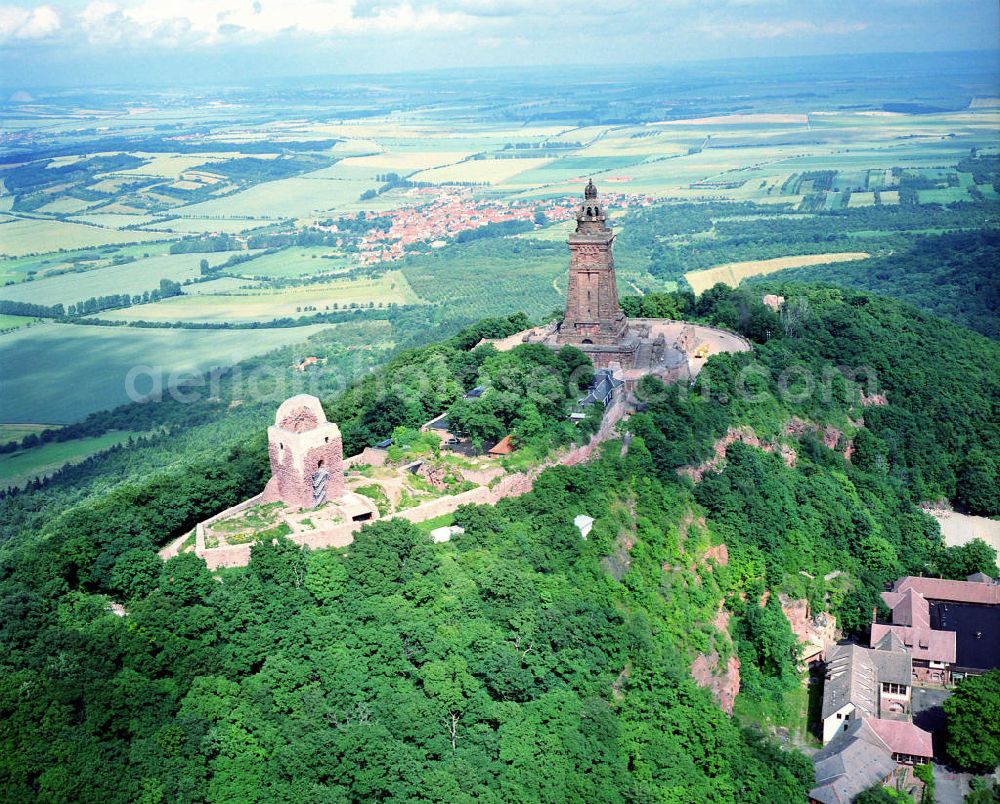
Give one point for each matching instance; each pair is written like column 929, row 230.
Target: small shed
column 503, row 447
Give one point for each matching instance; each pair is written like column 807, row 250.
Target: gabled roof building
column 865, row 682
column 868, row 753
column 944, row 625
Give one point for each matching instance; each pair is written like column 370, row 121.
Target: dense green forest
column 951, row 275
column 519, row 662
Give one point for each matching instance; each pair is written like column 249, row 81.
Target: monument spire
column 594, row 320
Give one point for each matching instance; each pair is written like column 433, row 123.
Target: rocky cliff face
column 721, row 678
column 709, row 670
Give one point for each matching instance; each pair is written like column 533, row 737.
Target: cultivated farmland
column 735, row 272
column 59, row 373
column 31, row 236
column 267, row 305
column 132, row 278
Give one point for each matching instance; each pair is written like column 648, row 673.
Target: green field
column 199, row 225
column 15, row 432
column 132, row 277
column 295, row 262
column 61, row 372
column 30, row 236
column 944, row 195
column 301, row 196
column 18, row 468
column 266, row 305
column 9, row 322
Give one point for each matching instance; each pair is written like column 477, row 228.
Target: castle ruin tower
column 594, row 320
column 307, row 455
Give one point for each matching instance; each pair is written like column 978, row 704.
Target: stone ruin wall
column 292, row 485
column 512, row 485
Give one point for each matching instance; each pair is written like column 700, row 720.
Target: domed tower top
column 590, row 218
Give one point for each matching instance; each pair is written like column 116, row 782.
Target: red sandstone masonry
column 513, row 485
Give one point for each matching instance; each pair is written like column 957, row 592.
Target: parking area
column 927, row 711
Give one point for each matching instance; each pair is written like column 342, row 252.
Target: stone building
column 944, row 625
column 594, row 321
column 865, row 682
column 306, row 452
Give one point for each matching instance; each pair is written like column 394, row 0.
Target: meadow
column 267, row 304
column 17, row 468
column 58, row 373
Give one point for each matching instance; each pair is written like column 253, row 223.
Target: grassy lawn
column 18, row 468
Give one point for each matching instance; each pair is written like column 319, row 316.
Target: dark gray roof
column 854, row 673
column 604, row 386
column 849, row 764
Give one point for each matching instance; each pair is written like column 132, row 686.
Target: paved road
column 949, row 787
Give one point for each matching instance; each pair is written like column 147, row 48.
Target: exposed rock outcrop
column 814, row 633
column 709, row 672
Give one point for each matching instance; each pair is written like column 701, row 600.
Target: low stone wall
column 199, row 531
column 336, row 536
column 233, row 555
column 513, row 485
column 481, row 477
column 444, row 505
column 369, row 456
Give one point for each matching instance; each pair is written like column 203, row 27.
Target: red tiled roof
column 902, row 737
column 909, row 608
column 955, row 591
column 922, row 643
column 503, row 447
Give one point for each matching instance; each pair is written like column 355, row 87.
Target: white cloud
column 719, row 29
column 214, row 21
column 22, row 23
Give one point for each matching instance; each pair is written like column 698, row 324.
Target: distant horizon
column 97, row 42
column 622, row 67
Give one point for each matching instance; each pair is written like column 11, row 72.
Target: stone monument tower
column 307, row 457
column 594, row 320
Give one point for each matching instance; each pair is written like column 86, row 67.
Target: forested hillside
column 952, row 275
column 518, row 662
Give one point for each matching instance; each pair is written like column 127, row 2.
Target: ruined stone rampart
column 368, row 457
column 492, row 490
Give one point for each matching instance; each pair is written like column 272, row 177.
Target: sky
column 78, row 42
